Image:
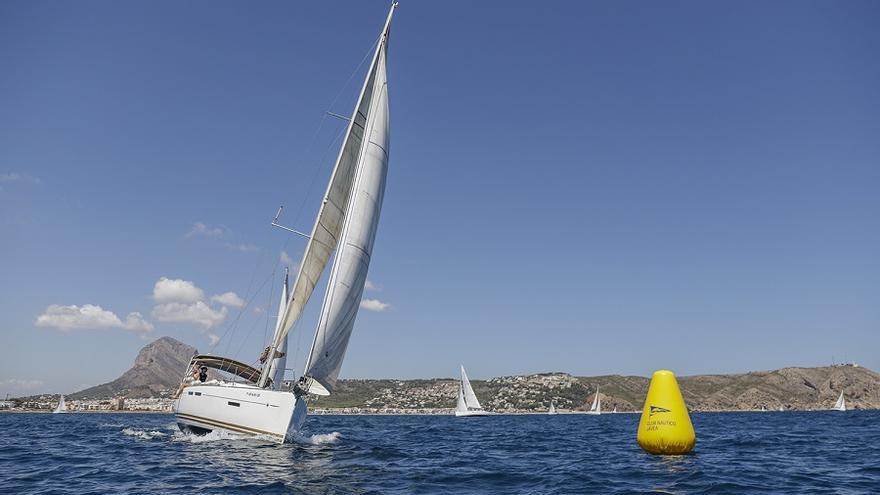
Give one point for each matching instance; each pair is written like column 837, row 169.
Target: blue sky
column 591, row 187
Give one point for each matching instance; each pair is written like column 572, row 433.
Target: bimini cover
column 231, row 366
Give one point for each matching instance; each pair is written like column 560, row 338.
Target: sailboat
column 596, row 408
column 243, row 399
column 61, row 407
column 552, row 409
column 840, row 405
column 763, row 409
column 467, row 404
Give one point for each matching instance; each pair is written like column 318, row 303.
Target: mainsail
column 347, row 223
column 840, row 405
column 470, row 398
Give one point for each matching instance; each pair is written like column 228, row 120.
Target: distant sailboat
column 763, row 409
column 552, row 409
column 614, row 411
column 256, row 401
column 467, row 405
column 781, row 409
column 840, row 405
column 596, row 408
column 61, row 407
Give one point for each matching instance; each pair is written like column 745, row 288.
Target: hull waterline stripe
column 228, row 426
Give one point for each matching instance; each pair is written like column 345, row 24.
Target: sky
column 588, row 187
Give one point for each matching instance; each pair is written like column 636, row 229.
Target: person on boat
column 195, row 373
column 264, row 356
column 203, row 374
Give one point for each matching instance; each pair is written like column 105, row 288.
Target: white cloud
column 197, row 313
column 181, row 301
column 176, row 290
column 17, row 177
column 228, row 299
column 286, row 260
column 371, row 286
column 374, row 305
column 213, row 339
column 20, row 384
column 89, row 316
column 201, row 230
column 244, row 247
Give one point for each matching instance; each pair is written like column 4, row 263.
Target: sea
column 771, row 452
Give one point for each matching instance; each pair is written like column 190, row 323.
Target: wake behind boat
column 244, row 399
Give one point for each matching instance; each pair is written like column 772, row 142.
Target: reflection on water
column 735, row 453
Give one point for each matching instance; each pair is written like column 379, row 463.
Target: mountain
column 157, row 369
column 791, row 388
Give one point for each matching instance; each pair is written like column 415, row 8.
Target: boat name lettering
column 252, row 394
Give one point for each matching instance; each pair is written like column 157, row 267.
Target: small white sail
column 840, row 405
column 552, row 409
column 61, row 407
column 596, row 408
column 461, row 406
column 468, row 405
column 470, row 398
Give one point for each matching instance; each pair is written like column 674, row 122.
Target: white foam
column 143, row 434
column 213, row 436
column 318, row 439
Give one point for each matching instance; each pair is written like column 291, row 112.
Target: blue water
column 790, row 452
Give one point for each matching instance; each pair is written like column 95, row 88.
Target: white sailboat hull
column 469, row 414
column 241, row 409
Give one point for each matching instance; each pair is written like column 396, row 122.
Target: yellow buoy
column 665, row 427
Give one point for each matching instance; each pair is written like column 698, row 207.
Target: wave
column 143, row 434
column 318, row 438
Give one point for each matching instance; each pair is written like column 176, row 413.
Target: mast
column 333, row 216
column 278, row 362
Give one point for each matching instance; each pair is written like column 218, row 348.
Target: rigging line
column 233, row 324
column 249, row 297
column 314, row 178
column 245, row 307
column 331, row 145
column 357, row 69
